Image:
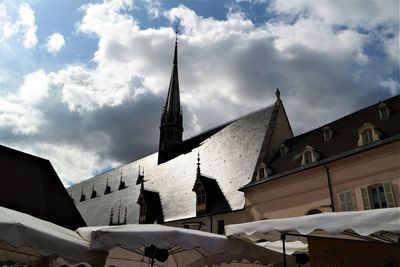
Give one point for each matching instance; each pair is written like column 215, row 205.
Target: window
column 307, row 157
column 200, row 198
column 384, row 111
column 327, row 133
column 83, row 198
column 143, row 210
column 346, row 200
column 367, row 136
column 378, row 196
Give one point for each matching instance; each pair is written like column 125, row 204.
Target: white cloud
column 20, row 112
column 55, row 43
column 24, row 23
column 27, row 25
column 352, row 12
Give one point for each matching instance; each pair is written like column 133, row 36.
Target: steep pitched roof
column 345, row 135
column 29, row 184
column 229, row 154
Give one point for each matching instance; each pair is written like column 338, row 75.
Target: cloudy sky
column 82, row 82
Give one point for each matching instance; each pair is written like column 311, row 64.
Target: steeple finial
column 198, row 163
column 176, row 33
column 278, row 94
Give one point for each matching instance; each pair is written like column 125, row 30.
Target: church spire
column 171, row 127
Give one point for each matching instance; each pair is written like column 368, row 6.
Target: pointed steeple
column 171, row 127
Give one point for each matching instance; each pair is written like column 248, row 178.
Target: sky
column 83, row 83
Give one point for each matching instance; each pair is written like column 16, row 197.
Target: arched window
column 309, row 155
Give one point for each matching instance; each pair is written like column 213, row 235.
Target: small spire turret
column 198, row 163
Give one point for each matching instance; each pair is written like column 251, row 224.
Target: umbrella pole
column 152, row 261
column 283, row 237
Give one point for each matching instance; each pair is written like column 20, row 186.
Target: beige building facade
column 308, row 191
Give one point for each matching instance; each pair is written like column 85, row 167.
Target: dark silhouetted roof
column 229, row 153
column 29, row 184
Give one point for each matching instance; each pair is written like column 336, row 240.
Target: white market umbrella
column 185, row 247
column 29, row 240
column 379, row 225
column 293, row 247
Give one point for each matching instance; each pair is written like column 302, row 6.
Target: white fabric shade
column 294, row 247
column 28, row 239
column 186, row 247
column 380, row 224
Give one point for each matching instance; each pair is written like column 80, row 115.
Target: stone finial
column 278, row 94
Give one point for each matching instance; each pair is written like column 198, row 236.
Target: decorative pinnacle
column 198, row 163
column 278, row 94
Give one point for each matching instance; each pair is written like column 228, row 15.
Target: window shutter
column 389, row 194
column 342, row 199
column 365, row 198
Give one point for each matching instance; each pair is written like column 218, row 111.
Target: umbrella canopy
column 294, row 247
column 184, row 247
column 379, row 225
column 27, row 239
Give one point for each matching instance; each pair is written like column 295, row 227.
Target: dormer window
column 367, row 134
column 121, row 184
column 283, row 150
column 83, row 197
column 309, row 155
column 384, row 111
column 94, row 193
column 150, row 207
column 327, row 133
column 108, row 189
